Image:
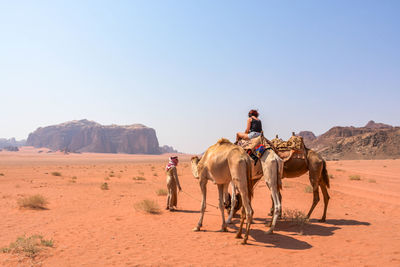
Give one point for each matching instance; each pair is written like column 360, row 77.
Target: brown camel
column 222, row 163
column 315, row 165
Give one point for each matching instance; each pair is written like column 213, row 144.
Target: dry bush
column 28, row 246
column 56, row 173
column 1, row 174
column 104, row 186
column 139, row 178
column 153, row 168
column 36, row 202
column 331, row 176
column 296, row 217
column 355, row 177
column 384, row 166
column 155, row 174
column 141, row 173
column 149, row 206
column 308, row 189
column 161, row 192
column 371, row 181
column 339, row 170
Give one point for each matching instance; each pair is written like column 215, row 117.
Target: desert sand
column 95, row 227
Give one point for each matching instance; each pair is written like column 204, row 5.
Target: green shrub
column 104, row 186
column 148, row 206
column 161, row 192
column 36, row 202
column 296, row 217
column 28, row 246
column 355, row 177
column 308, row 189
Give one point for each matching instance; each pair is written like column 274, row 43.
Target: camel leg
column 221, row 206
column 203, row 186
column 242, row 216
column 233, row 204
column 326, row 200
column 249, row 214
column 315, row 201
column 314, row 173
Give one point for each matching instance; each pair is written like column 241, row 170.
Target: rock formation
column 373, row 141
column 89, row 136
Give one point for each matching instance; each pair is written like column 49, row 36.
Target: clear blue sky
column 192, row 69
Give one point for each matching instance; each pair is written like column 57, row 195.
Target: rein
column 199, row 199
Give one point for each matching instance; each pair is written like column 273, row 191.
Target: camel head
column 195, row 160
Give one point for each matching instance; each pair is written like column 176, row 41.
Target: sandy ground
column 94, row 227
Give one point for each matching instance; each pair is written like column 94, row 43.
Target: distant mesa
column 11, row 143
column 89, row 136
column 11, row 148
column 373, row 141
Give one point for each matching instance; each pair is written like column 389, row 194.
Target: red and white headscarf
column 173, row 161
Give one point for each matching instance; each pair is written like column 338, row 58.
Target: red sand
column 93, row 227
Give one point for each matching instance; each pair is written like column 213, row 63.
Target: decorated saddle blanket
column 292, row 148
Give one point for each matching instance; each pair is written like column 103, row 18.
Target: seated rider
column 253, row 128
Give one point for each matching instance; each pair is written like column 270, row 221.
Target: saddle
column 293, row 148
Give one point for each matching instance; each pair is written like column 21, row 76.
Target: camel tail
column 325, row 176
column 249, row 179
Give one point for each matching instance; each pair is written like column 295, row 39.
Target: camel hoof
column 196, row 229
column 322, row 220
column 244, row 242
column 238, row 237
column 269, row 232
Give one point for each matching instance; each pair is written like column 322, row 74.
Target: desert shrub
column 1, row 174
column 296, row 217
column 28, row 246
column 141, row 173
column 139, row 178
column 384, row 166
column 104, row 186
column 74, row 178
column 148, row 206
column 155, row 174
column 36, row 202
column 308, row 189
column 371, row 181
column 331, row 176
column 339, row 170
column 161, row 192
column 111, row 175
column 106, row 178
column 153, row 168
column 355, row 177
column 56, row 173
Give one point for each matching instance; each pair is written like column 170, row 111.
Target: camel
column 225, row 162
column 222, row 163
column 315, row 165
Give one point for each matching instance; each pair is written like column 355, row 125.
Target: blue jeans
column 253, row 135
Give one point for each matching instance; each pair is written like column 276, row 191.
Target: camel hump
column 224, row 141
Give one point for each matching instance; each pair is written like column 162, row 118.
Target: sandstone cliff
column 89, row 136
column 373, row 141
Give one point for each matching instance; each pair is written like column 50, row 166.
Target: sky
column 193, row 69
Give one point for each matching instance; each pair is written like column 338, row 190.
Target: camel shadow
column 343, row 222
column 186, row 211
column 307, row 229
column 276, row 240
